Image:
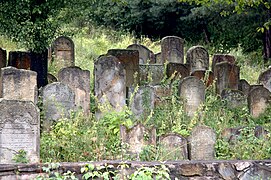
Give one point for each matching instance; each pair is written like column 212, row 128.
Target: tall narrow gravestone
column 19, row 130
column 63, row 50
column 265, row 79
column 197, row 58
column 172, row 49
column 146, row 56
column 79, row 81
column 130, row 60
column 192, row 91
column 18, row 84
column 3, row 58
column 217, row 58
column 109, row 78
column 202, row 143
column 258, row 100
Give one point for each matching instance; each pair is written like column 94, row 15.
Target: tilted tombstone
column 18, row 84
column 19, row 130
column 197, row 58
column 172, row 49
column 79, row 81
column 227, row 76
column 258, row 100
column 192, row 91
column 265, row 79
column 161, row 94
column 202, row 143
column 3, row 58
column 217, row 58
column 20, row 60
column 130, row 60
column 177, row 71
column 151, row 74
column 146, row 56
column 58, row 102
column 63, row 52
column 158, row 58
column 109, row 78
column 244, row 86
column 51, row 78
column 234, row 98
column 173, row 147
column 137, row 138
column 206, row 76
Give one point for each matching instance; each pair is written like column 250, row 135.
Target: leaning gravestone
column 79, row 81
column 177, row 71
column 58, row 102
column 197, row 58
column 137, row 138
column 63, row 50
column 234, row 98
column 172, row 49
column 202, row 143
column 130, row 60
column 18, row 84
column 217, row 58
column 258, row 100
column 19, row 130
column 151, row 74
column 206, row 76
column 227, row 76
column 265, row 79
column 146, row 56
column 3, row 58
column 173, row 147
column 244, row 86
column 109, row 78
column 192, row 91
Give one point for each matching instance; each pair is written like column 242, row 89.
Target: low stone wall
column 178, row 169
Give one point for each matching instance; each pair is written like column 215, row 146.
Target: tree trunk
column 267, row 45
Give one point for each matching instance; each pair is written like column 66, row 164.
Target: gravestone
column 18, row 84
column 227, row 76
column 79, row 81
column 146, row 56
column 172, row 49
column 63, row 52
column 158, row 58
column 258, row 100
column 142, row 102
column 177, row 71
column 254, row 86
column 58, row 102
column 197, row 58
column 234, row 98
column 244, row 86
column 173, row 147
column 206, row 76
column 202, row 143
column 51, row 78
column 161, row 94
column 151, row 74
column 19, row 130
column 137, row 138
column 217, row 58
column 20, row 60
column 265, row 79
column 130, row 60
column 109, row 78
column 192, row 91
column 3, row 58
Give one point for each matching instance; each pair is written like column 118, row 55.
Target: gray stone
column 202, row 143
column 151, row 74
column 197, row 58
column 51, row 78
column 146, row 56
column 234, row 98
column 256, row 171
column 162, row 94
column 3, row 58
column 172, row 49
column 265, row 79
column 19, row 130
column 18, row 84
column 79, row 81
column 109, row 78
column 217, row 58
column 244, row 86
column 192, row 91
column 158, row 58
column 177, row 71
column 227, row 171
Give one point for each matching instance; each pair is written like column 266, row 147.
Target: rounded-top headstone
column 145, row 55
column 217, row 58
column 265, row 79
column 197, row 57
column 172, row 49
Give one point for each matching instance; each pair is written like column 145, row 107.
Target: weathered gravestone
column 79, row 81
column 3, row 58
column 265, row 79
column 145, row 55
column 58, row 102
column 173, row 147
column 18, row 84
column 258, row 100
column 158, row 58
column 63, row 50
column 20, row 60
column 109, row 78
column 234, row 98
column 172, row 49
column 137, row 138
column 244, row 86
column 151, row 74
column 161, row 94
column 206, row 76
column 227, row 76
column 130, row 60
column 217, row 58
column 197, row 58
column 51, row 78
column 142, row 101
column 192, row 91
column 202, row 143
column 177, row 71
column 19, row 130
